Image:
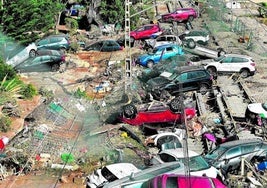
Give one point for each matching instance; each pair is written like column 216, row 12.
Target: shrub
column 28, row 91
column 5, row 123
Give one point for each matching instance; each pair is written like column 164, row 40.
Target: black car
column 104, row 46
column 185, row 78
column 42, row 63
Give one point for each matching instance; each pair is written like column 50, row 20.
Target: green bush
column 6, row 70
column 28, row 91
column 5, row 123
column 80, row 94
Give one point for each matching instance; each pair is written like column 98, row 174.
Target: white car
column 19, row 55
column 147, row 173
column 110, row 173
column 191, row 38
column 255, row 111
column 162, row 40
column 229, row 64
column 197, row 164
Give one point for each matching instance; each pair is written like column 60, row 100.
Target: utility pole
column 127, row 44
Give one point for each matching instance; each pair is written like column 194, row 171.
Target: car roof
column 166, row 45
column 241, row 142
column 182, row 69
column 179, row 152
column 238, row 55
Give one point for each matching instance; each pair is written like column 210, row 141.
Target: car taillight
column 253, row 64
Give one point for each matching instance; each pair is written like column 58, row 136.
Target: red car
column 180, row 15
column 144, row 32
column 155, row 112
column 175, row 181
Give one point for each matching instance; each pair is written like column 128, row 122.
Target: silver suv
column 231, row 63
column 227, row 156
column 54, row 42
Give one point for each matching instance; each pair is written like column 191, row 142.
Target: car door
column 43, row 44
column 225, row 65
column 179, row 84
column 231, row 158
column 169, row 52
column 237, row 64
column 41, row 64
column 148, row 31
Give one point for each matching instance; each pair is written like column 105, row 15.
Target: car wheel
column 212, row 71
column 132, row 40
column 55, row 67
column 244, row 73
column 176, row 104
column 203, row 89
column 32, row 53
column 150, row 63
column 191, row 43
column 190, row 18
column 129, row 111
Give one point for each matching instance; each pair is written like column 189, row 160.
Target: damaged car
column 159, row 53
column 256, row 113
column 156, row 112
column 176, row 180
column 197, row 164
column 227, row 156
column 184, row 79
column 42, row 63
column 110, row 173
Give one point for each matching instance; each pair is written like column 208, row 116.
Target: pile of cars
column 172, row 66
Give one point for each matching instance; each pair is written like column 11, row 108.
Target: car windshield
column 196, row 163
column 108, row 175
column 219, row 58
column 264, row 106
column 216, row 153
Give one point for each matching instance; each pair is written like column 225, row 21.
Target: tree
column 112, row 11
column 20, row 18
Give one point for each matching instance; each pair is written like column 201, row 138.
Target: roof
column 189, row 68
column 238, row 55
column 241, row 142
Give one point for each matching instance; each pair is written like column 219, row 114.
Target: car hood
column 256, row 108
column 157, row 82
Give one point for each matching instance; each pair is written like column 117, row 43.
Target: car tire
column 190, row 18
column 150, row 64
column 55, row 67
column 203, row 88
column 129, row 111
column 32, row 53
column 212, row 71
column 244, row 73
column 191, row 43
column 132, row 40
column 176, row 104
